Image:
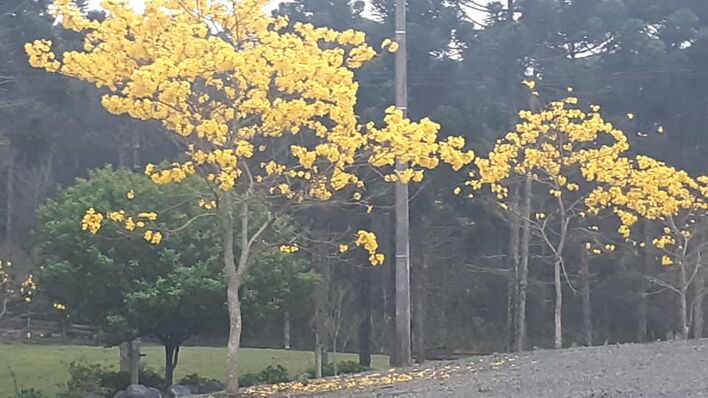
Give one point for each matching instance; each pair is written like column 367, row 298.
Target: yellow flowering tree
column 677, row 204
column 263, row 109
column 551, row 152
column 12, row 288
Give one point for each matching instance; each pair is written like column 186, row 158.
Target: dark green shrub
column 274, row 374
column 270, row 375
column 195, row 379
column 249, row 379
column 92, row 378
column 84, row 379
column 350, row 367
column 344, row 367
column 118, row 381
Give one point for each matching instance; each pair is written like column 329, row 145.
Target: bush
column 270, row 375
column 84, row 379
column 249, row 379
column 344, row 367
column 92, row 378
column 119, row 381
column 194, row 379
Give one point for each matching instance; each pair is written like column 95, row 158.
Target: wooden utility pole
column 402, row 340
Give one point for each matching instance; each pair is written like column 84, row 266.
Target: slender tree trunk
column 322, row 297
column 10, row 195
column 558, row 263
column 135, row 361
column 171, row 358
column 642, row 310
column 683, row 301
column 520, row 313
column 419, row 309
column 124, row 350
column 558, row 307
column 365, row 316
column 587, row 304
column 318, row 355
column 513, row 267
column 698, row 306
column 286, row 330
column 233, row 286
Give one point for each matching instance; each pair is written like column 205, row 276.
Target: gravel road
column 664, row 369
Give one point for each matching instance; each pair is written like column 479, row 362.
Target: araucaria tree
column 264, row 110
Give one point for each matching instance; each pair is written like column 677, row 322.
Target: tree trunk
column 520, row 313
column 286, row 330
column 419, row 308
column 232, row 294
column 365, row 316
column 318, row 355
column 683, row 301
column 124, row 350
column 558, row 307
column 135, row 361
column 587, row 304
column 171, row 358
column 10, row 195
column 513, row 267
column 698, row 306
column 642, row 310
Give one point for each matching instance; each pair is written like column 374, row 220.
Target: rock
column 94, row 395
column 154, row 393
column 178, row 391
column 136, row 391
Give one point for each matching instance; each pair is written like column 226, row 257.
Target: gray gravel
column 664, row 369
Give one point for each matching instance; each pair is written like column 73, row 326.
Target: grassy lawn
column 45, row 367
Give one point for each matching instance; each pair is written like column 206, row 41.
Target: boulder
column 139, row 391
column 178, row 391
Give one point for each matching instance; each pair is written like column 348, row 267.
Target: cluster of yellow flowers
column 368, row 241
column 92, row 222
column 550, row 146
column 59, row 307
column 564, row 141
column 27, row 288
column 4, row 275
column 154, row 237
column 288, row 249
column 229, row 81
column 647, row 188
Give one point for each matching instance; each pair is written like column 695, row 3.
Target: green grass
column 45, row 367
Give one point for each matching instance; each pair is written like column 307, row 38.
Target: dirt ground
column 663, row 369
